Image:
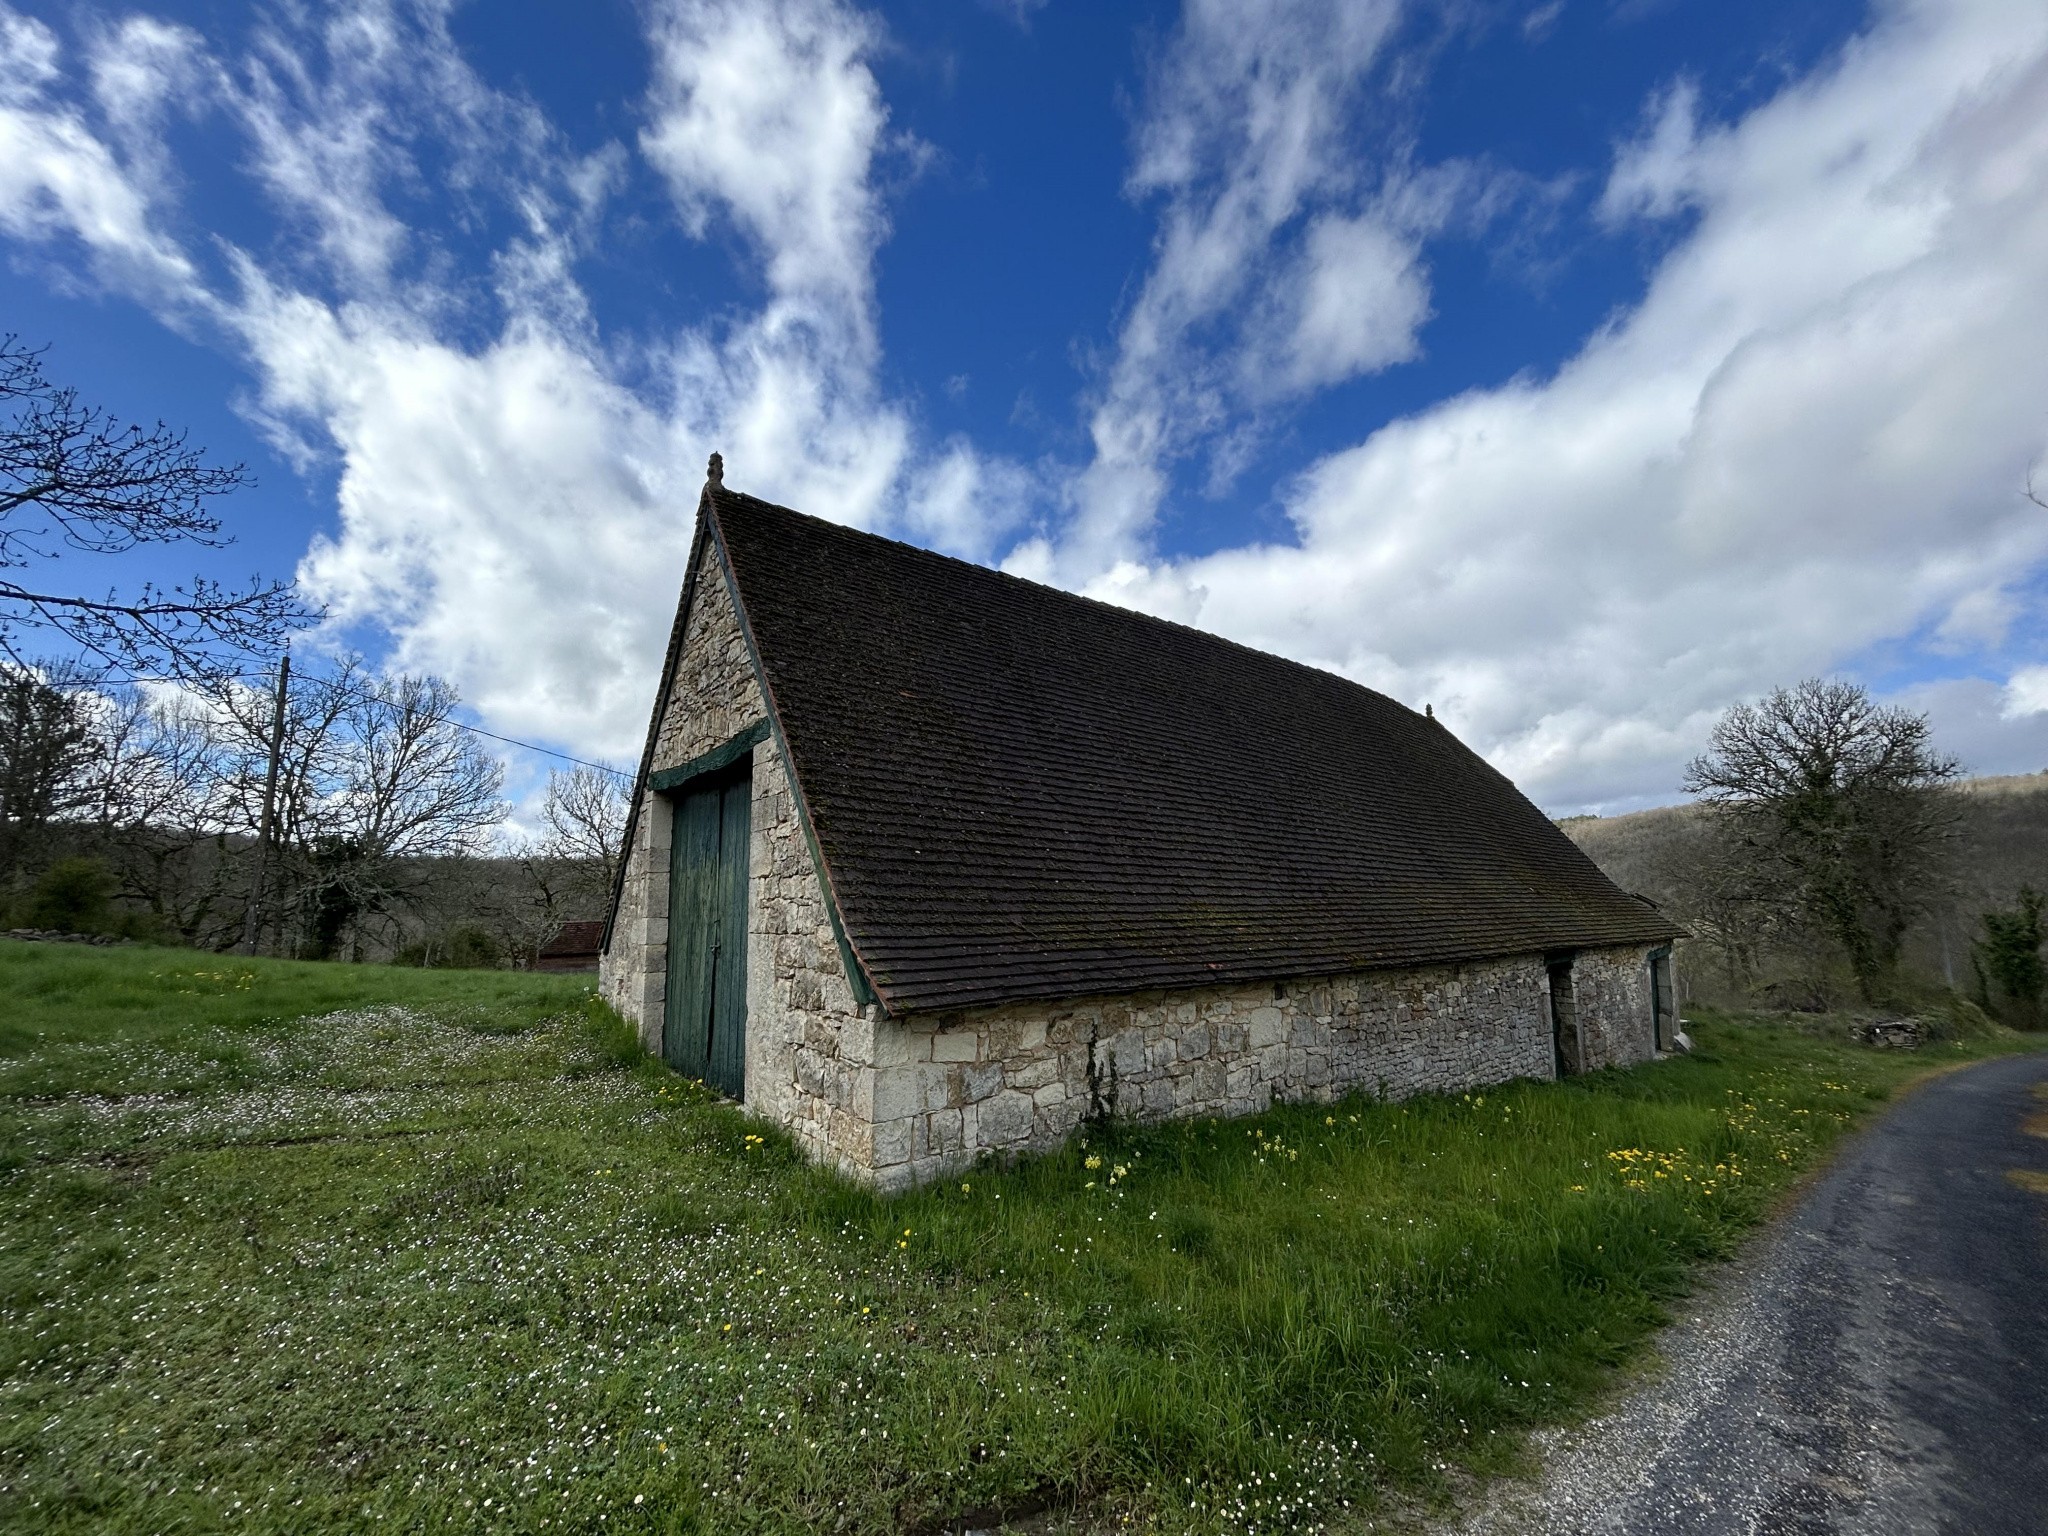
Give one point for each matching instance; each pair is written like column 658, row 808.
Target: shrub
column 2010, row 975
column 1955, row 1018
column 71, row 896
column 464, row 948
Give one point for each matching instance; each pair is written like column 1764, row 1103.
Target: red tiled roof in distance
column 1019, row 793
column 576, row 938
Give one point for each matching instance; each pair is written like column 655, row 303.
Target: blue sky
column 1579, row 367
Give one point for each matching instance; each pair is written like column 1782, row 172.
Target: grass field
column 289, row 1248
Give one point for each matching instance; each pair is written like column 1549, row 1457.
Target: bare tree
column 377, row 775
column 1834, row 814
column 569, row 871
column 74, row 478
column 161, row 814
column 586, row 816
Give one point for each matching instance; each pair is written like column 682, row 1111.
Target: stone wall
column 1612, row 990
column 1003, row 1080
column 810, row 1062
column 713, row 698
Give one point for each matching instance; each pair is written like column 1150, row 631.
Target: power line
column 477, row 730
column 461, row 725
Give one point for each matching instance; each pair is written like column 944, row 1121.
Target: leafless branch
column 73, row 478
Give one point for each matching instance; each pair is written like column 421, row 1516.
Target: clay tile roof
column 1020, row 793
column 575, row 938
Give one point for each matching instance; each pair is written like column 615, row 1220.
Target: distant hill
column 2002, row 844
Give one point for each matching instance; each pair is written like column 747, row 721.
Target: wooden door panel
column 704, row 1032
column 693, row 865
column 728, row 1065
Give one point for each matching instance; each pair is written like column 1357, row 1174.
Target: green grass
column 350, row 1248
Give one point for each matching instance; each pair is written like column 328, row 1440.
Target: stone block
column 1070, row 1028
column 897, row 1093
column 1034, row 1072
column 892, row 1044
column 1266, row 1026
column 857, row 1040
column 979, row 1080
column 938, row 1087
column 1006, row 1120
column 1125, row 1051
column 891, row 1142
column 956, row 1045
column 1057, row 1121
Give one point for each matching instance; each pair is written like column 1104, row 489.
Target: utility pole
column 252, row 918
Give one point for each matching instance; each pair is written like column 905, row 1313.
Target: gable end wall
column 809, row 1062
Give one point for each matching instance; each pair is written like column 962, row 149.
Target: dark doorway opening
column 1564, row 1020
column 704, row 1027
column 1663, row 1001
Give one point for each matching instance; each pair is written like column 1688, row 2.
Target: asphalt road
column 1879, row 1364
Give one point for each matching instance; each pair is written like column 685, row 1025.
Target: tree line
column 139, row 808
column 349, row 814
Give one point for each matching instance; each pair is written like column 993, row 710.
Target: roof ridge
column 720, row 492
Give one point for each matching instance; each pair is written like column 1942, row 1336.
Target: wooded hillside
column 2000, row 846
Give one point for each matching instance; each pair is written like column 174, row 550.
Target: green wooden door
column 704, row 1034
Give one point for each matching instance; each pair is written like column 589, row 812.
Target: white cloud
column 1660, row 172
column 967, row 504
column 1245, row 130
column 512, row 515
column 1971, row 719
column 2026, row 693
column 29, row 55
column 769, row 113
column 515, row 493
column 142, row 67
column 58, row 181
column 1360, row 298
column 1807, row 440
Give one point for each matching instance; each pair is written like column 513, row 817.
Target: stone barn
column 925, row 861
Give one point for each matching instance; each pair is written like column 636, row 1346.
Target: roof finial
column 714, row 472
column 1429, row 710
